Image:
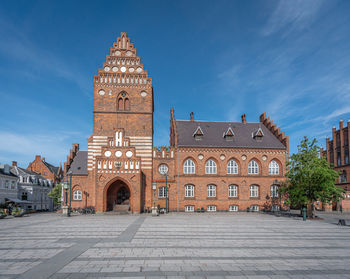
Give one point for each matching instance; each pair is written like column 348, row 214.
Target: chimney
column 192, row 116
column 340, row 124
column 244, row 120
column 14, row 163
column 43, row 159
column 37, row 158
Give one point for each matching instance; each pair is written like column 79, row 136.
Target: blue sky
column 219, row 59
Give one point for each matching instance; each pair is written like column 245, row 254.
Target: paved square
column 219, row 245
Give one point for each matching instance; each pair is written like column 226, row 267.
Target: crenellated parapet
column 163, row 152
column 274, row 129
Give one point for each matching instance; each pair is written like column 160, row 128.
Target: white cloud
column 296, row 14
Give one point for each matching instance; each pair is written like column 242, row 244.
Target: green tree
column 310, row 178
column 56, row 194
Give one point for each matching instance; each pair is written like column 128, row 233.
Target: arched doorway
column 118, row 196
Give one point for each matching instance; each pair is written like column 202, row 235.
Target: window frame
column 77, row 195
column 233, row 208
column 211, row 208
column 189, row 168
column 211, row 167
column 274, row 191
column 189, row 191
column 253, row 169
column 233, row 189
column 211, row 191
column 162, row 193
column 232, row 168
column 254, row 191
column 274, row 168
column 189, row 206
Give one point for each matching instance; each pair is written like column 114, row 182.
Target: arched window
column 120, row 104
column 211, row 191
column 232, row 167
column 126, row 104
column 189, row 191
column 253, row 167
column 274, row 168
column 123, row 101
column 210, row 167
column 254, row 191
column 232, row 191
column 77, row 195
column 343, row 177
column 189, row 167
column 274, row 191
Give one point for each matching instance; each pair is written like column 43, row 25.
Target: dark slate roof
column 52, row 168
column 79, row 164
column 2, row 171
column 214, row 131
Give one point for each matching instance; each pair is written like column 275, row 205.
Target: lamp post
column 70, row 193
column 163, row 170
column 65, row 207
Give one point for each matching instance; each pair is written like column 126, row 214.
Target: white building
column 8, row 184
column 33, row 189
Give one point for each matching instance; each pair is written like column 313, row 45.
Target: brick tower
column 120, row 148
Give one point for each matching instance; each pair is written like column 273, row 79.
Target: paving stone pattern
column 218, row 245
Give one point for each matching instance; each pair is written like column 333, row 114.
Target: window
column 189, row 208
column 254, row 208
column 163, row 169
column 189, row 191
column 253, row 167
column 120, row 104
column 123, row 101
column 77, row 195
column 233, row 208
column 210, row 167
column 162, row 192
column 274, row 168
column 274, row 191
column 13, row 185
column 275, row 207
column 211, row 191
column 211, row 208
column 343, row 177
column 24, row 196
column 232, row 167
column 189, row 167
column 232, row 191
column 254, row 191
column 126, row 104
column 7, row 184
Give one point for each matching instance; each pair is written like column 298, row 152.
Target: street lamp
column 65, row 187
column 70, row 192
column 163, row 170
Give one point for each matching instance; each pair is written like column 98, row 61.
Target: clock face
column 163, row 169
column 101, row 92
column 123, row 69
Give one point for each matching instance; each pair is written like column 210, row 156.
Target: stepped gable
column 122, row 67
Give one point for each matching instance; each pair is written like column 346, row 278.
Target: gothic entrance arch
column 118, row 196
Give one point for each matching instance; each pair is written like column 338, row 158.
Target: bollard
column 304, row 213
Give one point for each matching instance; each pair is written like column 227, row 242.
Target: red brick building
column 337, row 154
column 219, row 166
column 45, row 169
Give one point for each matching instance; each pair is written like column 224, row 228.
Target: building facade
column 8, row 184
column 337, row 154
column 46, row 170
column 33, row 189
column 210, row 165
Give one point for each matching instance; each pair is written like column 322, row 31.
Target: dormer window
column 258, row 135
column 198, row 134
column 228, row 135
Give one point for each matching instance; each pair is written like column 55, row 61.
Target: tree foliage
column 56, row 194
column 310, row 178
